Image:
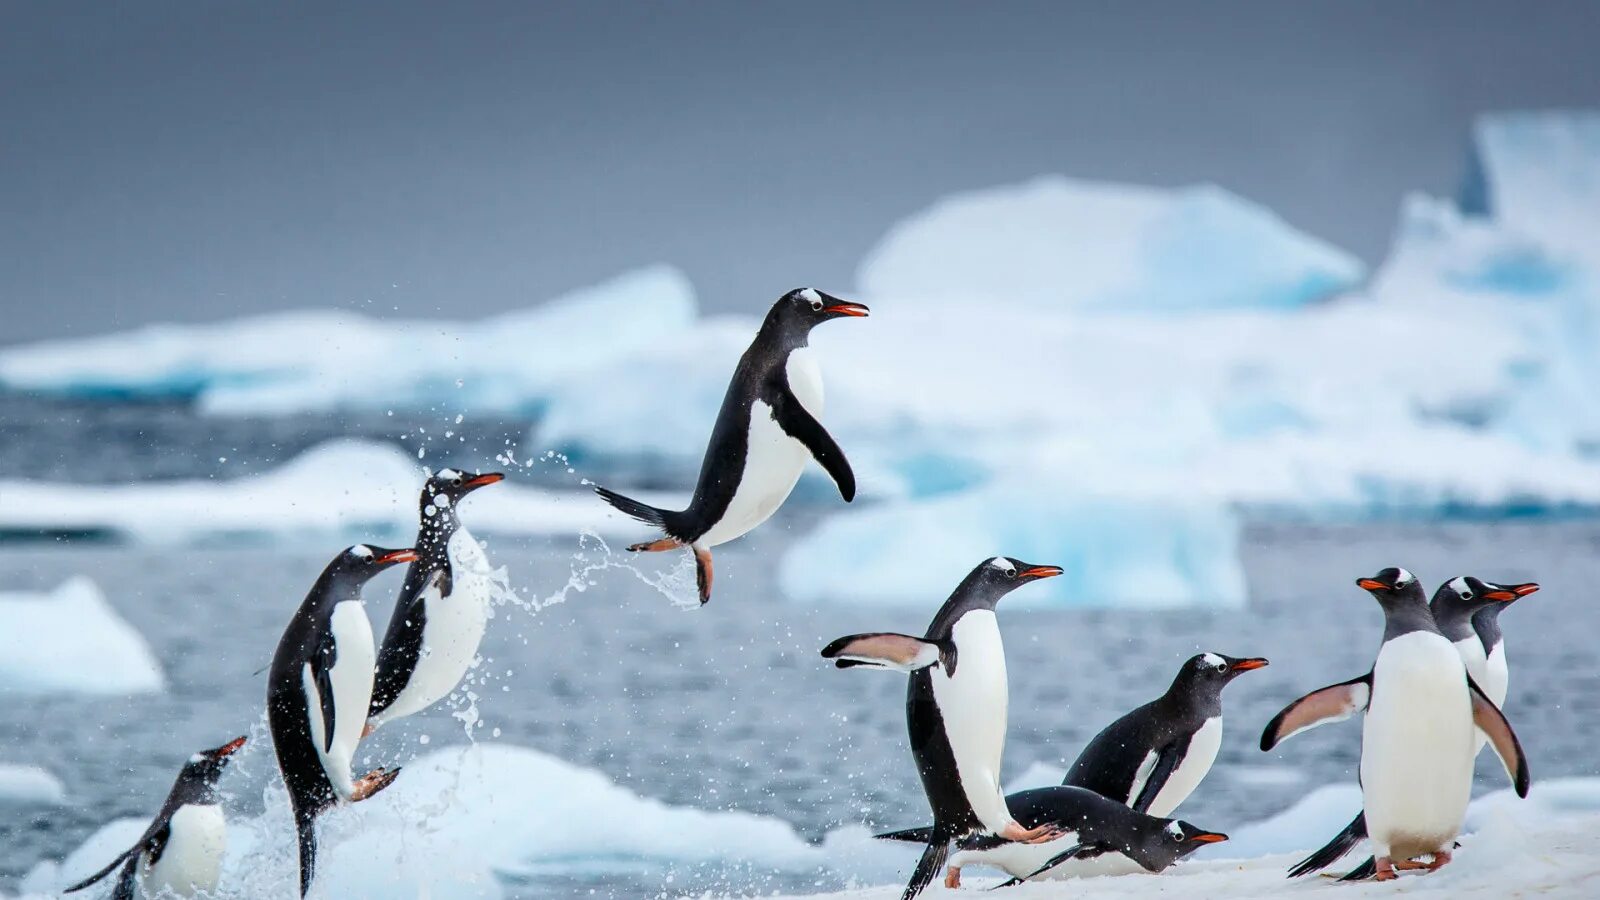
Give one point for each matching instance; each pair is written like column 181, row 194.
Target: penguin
column 955, row 708
column 1101, row 837
column 1486, row 624
column 443, row 607
column 1153, row 758
column 769, row 425
column 1417, row 740
column 1455, row 607
column 319, row 691
column 180, row 854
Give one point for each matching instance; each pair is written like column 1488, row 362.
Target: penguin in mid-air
column 319, row 692
column 1417, row 738
column 180, row 854
column 1101, row 837
column 1154, row 757
column 956, row 709
column 770, row 424
column 443, row 607
column 1455, row 607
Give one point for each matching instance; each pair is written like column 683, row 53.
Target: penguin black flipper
column 1362, row 872
column 801, row 425
column 122, row 857
column 153, row 841
column 909, row 835
column 1166, row 763
column 888, row 650
column 125, row 880
column 322, row 663
column 402, row 642
column 927, row 867
column 1332, row 851
column 1492, row 722
column 1334, row 703
column 1073, row 852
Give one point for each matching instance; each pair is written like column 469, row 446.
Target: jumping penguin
column 956, row 709
column 769, row 425
column 180, row 854
column 319, row 691
column 1154, row 757
column 443, row 608
column 1417, row 743
column 1101, row 837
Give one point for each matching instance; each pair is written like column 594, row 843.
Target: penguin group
column 1430, row 701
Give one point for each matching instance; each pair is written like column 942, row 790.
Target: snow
column 29, row 784
column 344, row 488
column 72, row 640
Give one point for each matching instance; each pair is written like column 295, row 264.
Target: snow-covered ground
column 72, row 640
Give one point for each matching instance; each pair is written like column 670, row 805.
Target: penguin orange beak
column 1372, row 584
column 1209, row 837
column 485, row 479
column 1245, row 665
column 398, row 556
column 1523, row 590
column 1502, row 596
column 854, row 310
column 228, row 748
column 1042, row 572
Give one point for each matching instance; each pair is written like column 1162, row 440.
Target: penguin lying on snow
column 1456, row 606
column 769, row 425
column 1101, row 837
column 956, row 709
column 443, row 607
column 181, row 852
column 1154, row 757
column 1417, row 739
column 319, row 692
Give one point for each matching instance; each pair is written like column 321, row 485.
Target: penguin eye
column 1466, row 595
column 816, row 304
column 1221, row 667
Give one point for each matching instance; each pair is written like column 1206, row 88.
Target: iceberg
column 72, row 640
column 315, row 361
column 30, row 784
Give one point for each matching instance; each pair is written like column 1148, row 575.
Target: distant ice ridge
column 29, row 785
column 71, row 640
column 337, row 359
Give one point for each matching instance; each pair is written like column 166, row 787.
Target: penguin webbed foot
column 1042, row 834
column 952, row 877
column 659, row 546
column 702, row 573
column 373, row 782
column 1385, row 870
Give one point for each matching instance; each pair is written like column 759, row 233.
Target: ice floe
column 29, row 785
column 71, row 640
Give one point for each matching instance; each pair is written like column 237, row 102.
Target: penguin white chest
column 1191, row 770
column 192, row 859
column 973, row 705
column 1417, row 746
column 1497, row 675
column 773, row 460
column 1470, row 649
column 452, row 630
column 351, row 679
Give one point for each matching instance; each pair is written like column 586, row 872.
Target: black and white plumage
column 180, row 854
column 769, row 425
column 1099, row 836
column 1486, row 624
column 320, row 690
column 1418, row 739
column 1154, row 757
column 955, row 707
column 443, row 609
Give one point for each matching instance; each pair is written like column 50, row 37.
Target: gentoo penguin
column 1454, row 607
column 1417, row 739
column 955, row 708
column 181, row 852
column 319, row 692
column 1153, row 758
column 443, row 607
column 1486, row 623
column 1101, row 837
column 769, row 425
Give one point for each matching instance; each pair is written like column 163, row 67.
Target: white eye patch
column 1211, row 659
column 1003, row 564
column 361, row 550
column 449, row 474
column 1174, row 829
column 1404, row 577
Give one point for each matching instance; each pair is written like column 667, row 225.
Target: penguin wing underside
column 799, row 424
column 1076, row 851
column 322, row 663
column 887, row 650
column 1334, row 703
column 1167, row 759
column 125, row 879
column 1492, row 722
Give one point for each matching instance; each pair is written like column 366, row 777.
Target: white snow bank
column 336, row 359
column 1058, row 243
column 72, row 640
column 361, row 490
column 29, row 784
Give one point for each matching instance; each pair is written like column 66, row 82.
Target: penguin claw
column 373, row 782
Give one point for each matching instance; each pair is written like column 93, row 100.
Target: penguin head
column 1466, row 594
column 205, row 767
column 1206, row 674
column 363, row 562
column 1392, row 585
column 997, row 577
column 800, row 310
column 447, row 486
column 1158, row 848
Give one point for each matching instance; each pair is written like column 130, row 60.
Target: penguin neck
column 1454, row 619
column 774, row 339
column 1404, row 615
column 1190, row 701
column 968, row 596
column 1486, row 622
column 195, row 788
column 433, row 538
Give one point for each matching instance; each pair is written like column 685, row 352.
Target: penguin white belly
column 1497, row 675
column 192, row 859
column 351, row 676
column 452, row 631
column 1191, row 770
column 972, row 704
column 1417, row 747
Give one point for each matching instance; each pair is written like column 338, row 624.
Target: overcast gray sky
column 193, row 161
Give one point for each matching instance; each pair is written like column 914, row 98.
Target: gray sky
column 194, row 161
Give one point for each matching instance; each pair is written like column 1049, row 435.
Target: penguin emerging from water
column 1455, row 607
column 320, row 690
column 1154, row 757
column 770, row 424
column 1417, row 739
column 443, row 607
column 956, row 709
column 1101, row 837
column 180, row 854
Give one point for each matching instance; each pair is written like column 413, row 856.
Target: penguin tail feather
column 927, row 867
column 628, row 506
column 909, row 835
column 1342, row 843
column 306, row 825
